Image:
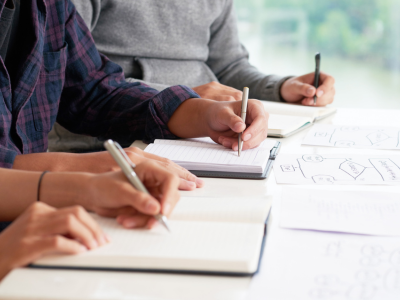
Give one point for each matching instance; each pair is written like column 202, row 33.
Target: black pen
column 316, row 76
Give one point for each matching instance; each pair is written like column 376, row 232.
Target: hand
column 42, row 229
column 91, row 160
column 111, row 195
column 219, row 92
column 225, row 124
column 301, row 90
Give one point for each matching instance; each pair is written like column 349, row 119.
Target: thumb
column 233, row 121
column 305, row 89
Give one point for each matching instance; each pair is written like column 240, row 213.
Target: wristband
column 39, row 184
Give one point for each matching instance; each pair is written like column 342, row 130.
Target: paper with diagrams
column 337, row 169
column 360, row 212
column 309, row 265
column 353, row 137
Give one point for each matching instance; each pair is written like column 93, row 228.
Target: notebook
column 203, row 157
column 208, row 235
column 286, row 119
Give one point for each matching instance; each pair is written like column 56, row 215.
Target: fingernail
column 246, row 137
column 93, row 244
column 107, row 238
column 150, row 207
column 191, row 183
column 227, row 144
column 320, row 93
column 82, row 249
column 220, row 139
column 310, row 91
column 311, row 102
column 167, row 209
column 102, row 240
column 129, row 223
column 199, row 181
column 235, row 148
column 237, row 126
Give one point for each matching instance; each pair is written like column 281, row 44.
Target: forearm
column 62, row 162
column 189, row 119
column 57, row 190
column 18, row 190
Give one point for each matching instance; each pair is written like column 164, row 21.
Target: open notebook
column 205, row 158
column 220, row 235
column 286, row 119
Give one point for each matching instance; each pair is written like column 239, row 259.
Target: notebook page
column 216, row 158
column 206, row 246
column 283, row 124
column 297, row 110
column 373, row 213
column 247, row 210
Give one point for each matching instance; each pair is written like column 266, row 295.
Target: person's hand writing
column 42, row 229
column 225, row 124
column 301, row 90
column 111, row 195
column 218, row 92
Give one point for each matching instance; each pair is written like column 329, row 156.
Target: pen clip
column 128, row 160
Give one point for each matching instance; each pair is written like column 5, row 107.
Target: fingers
column 325, row 92
column 167, row 183
column 133, row 221
column 74, row 222
column 256, row 132
column 56, row 244
column 180, row 171
column 225, row 98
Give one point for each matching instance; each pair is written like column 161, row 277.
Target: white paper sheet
column 353, row 137
column 307, row 265
column 373, row 213
column 337, row 169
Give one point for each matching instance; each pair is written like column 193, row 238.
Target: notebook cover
column 237, row 175
column 292, row 132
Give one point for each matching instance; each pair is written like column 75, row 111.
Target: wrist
column 65, row 189
column 191, row 118
column 5, row 265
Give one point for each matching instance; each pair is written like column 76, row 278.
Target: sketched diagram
column 351, row 136
column 376, row 277
column 329, row 170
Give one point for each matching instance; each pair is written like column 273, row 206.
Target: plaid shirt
column 62, row 76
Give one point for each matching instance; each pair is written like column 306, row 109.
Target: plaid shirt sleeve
column 97, row 101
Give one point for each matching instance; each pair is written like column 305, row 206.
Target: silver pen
column 127, row 167
column 245, row 99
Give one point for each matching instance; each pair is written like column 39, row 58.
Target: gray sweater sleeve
column 90, row 12
column 228, row 59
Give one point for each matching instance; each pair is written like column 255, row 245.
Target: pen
column 127, row 166
column 316, row 76
column 245, row 99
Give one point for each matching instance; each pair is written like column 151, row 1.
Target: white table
column 58, row 284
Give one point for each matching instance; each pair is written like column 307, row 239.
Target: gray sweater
column 170, row 42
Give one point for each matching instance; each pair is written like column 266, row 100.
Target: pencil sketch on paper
column 337, row 169
column 353, row 136
column 376, row 275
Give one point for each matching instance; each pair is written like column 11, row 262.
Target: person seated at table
column 53, row 71
column 55, row 204
column 107, row 194
column 194, row 43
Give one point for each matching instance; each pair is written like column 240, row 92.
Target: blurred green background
column 359, row 41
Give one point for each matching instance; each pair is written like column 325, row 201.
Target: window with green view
column 359, row 41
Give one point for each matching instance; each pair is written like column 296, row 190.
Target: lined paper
column 206, row 156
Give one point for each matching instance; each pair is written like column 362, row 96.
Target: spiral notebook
column 205, row 158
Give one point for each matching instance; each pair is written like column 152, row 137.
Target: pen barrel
column 243, row 116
